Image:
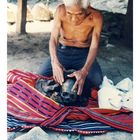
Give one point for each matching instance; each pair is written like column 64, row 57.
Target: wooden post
column 21, row 17
column 128, row 32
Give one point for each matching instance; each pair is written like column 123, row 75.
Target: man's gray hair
column 83, row 3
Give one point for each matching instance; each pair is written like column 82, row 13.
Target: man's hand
column 58, row 72
column 80, row 80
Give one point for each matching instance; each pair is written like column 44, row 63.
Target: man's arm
column 56, row 66
column 81, row 74
column 98, row 21
column 54, row 36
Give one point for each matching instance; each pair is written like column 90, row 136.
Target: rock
column 12, row 1
column 51, row 14
column 11, row 12
column 115, row 6
column 117, row 135
column 110, row 45
column 29, row 14
column 35, row 133
column 13, row 135
column 41, row 12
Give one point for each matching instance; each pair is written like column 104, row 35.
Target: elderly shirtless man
column 73, row 45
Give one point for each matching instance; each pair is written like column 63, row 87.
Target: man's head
column 82, row 3
column 76, row 10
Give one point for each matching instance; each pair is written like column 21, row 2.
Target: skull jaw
column 69, row 98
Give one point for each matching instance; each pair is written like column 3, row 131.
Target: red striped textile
column 15, row 75
column 28, row 77
column 28, row 104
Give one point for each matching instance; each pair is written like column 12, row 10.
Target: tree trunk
column 21, row 17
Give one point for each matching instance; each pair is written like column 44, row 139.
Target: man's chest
column 82, row 31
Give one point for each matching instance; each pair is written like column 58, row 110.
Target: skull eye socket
column 65, row 94
column 72, row 96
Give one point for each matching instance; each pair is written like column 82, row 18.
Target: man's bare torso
column 77, row 35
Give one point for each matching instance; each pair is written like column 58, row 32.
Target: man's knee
column 95, row 76
column 95, row 80
column 46, row 68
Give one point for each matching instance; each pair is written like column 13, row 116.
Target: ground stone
column 35, row 133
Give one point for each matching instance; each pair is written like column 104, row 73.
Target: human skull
column 68, row 95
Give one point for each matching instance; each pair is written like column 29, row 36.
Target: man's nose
column 73, row 18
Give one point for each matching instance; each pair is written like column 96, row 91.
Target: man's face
column 75, row 14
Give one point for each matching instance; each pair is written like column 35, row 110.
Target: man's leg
column 63, row 55
column 46, row 68
column 95, row 76
column 93, row 79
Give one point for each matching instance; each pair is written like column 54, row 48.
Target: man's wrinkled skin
column 75, row 26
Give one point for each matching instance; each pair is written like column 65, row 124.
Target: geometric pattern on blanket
column 27, row 104
column 82, row 127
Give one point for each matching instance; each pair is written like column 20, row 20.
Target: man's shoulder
column 60, row 10
column 61, row 7
column 95, row 14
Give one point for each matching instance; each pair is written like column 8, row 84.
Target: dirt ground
column 27, row 52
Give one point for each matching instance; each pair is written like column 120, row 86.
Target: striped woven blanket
column 82, row 127
column 29, row 107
